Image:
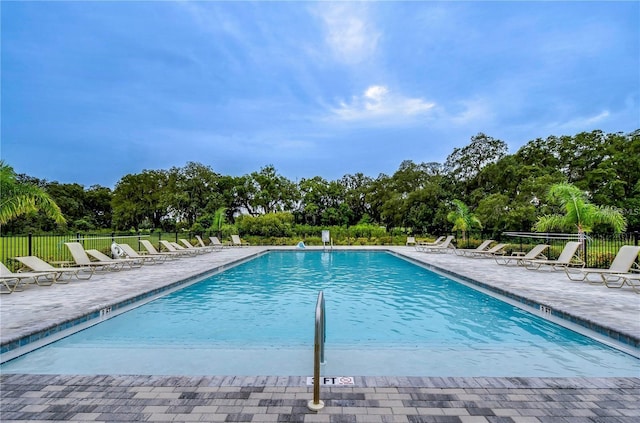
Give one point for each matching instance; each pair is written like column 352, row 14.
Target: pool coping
column 231, row 381
column 94, row 316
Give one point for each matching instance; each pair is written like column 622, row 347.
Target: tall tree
column 267, row 192
column 465, row 163
column 18, row 199
column 415, row 193
column 356, row 197
column 71, row 200
column 192, row 192
column 139, row 201
column 98, row 205
column 314, row 194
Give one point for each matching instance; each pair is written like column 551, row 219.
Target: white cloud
column 473, row 111
column 349, row 33
column 378, row 103
column 582, row 123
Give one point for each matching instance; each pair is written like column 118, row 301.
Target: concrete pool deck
column 372, row 399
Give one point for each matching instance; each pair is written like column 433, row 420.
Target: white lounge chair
column 411, row 241
column 36, row 264
column 618, row 280
column 216, row 243
column 81, row 258
column 496, row 250
column 237, row 242
column 520, row 258
column 172, row 247
column 211, row 247
column 189, row 246
column 622, row 263
column 482, row 247
column 153, row 252
column 145, row 258
column 445, row 247
column 12, row 281
column 101, row 257
column 182, row 249
column 420, row 244
column 568, row 257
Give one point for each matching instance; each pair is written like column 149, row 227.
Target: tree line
column 507, row 192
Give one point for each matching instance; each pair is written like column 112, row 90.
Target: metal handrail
column 544, row 235
column 321, row 324
column 318, row 352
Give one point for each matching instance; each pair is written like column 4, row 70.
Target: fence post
column 30, row 244
column 583, row 240
column 636, row 237
column 78, row 236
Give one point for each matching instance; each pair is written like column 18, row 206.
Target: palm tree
column 219, row 220
column 579, row 213
column 462, row 218
column 17, row 199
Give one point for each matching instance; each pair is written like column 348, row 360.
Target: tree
column 578, row 212
column 192, row 194
column 314, row 193
column 219, row 219
column 356, row 190
column 139, row 201
column 380, row 191
column 18, row 199
column 462, row 218
column 97, row 201
column 266, row 192
column 70, row 199
column 465, row 163
column 409, row 190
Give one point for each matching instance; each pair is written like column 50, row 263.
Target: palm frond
column 19, row 199
column 579, row 213
column 611, row 216
column 462, row 218
column 219, row 218
column 548, row 223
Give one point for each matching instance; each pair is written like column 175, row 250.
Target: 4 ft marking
column 334, row 381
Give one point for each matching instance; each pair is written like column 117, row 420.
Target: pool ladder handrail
column 320, row 336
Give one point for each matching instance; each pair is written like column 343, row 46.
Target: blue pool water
column 385, row 316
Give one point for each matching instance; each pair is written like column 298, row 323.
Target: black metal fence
column 51, row 248
column 597, row 250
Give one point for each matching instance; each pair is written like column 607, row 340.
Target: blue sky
column 92, row 91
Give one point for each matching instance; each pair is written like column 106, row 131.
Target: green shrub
column 367, row 230
column 266, row 225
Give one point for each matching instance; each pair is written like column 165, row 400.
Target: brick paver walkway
column 284, row 399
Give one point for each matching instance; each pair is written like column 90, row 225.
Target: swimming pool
column 385, row 316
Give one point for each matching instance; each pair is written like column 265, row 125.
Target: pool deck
column 371, row 399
